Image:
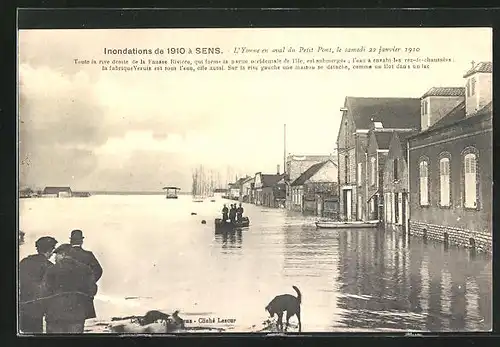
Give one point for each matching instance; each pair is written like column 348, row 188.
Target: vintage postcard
column 255, row 180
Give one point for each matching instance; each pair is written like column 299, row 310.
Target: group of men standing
column 62, row 292
column 233, row 214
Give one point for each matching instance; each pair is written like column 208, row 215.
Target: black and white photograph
column 255, row 180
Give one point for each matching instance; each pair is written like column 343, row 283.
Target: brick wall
column 455, row 236
column 455, row 147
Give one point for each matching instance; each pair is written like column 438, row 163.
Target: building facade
column 247, row 189
column 358, row 115
column 396, row 184
column 296, row 165
column 257, row 189
column 57, row 192
column 450, row 169
column 273, row 190
column 317, row 185
column 372, row 184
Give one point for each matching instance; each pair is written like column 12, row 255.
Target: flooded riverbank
column 156, row 255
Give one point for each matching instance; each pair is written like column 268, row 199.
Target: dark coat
column 88, row 258
column 32, row 270
column 68, row 284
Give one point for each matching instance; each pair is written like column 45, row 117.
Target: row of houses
column 309, row 185
column 422, row 165
column 56, row 192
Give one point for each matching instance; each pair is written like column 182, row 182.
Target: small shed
column 171, row 192
column 57, row 192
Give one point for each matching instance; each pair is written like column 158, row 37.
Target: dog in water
column 288, row 303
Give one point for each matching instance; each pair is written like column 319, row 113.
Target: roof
column 308, row 174
column 455, row 117
column 383, row 138
column 456, row 114
column 172, row 187
column 484, row 67
column 248, row 179
column 303, row 157
column 392, row 112
column 56, row 190
column 403, row 137
column 239, row 182
column 270, row 180
column 445, row 91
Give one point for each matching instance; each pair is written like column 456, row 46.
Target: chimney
column 376, row 125
column 437, row 102
column 478, row 86
column 278, row 169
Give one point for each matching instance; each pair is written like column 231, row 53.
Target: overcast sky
column 111, row 130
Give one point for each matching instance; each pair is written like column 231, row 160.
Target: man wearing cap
column 68, row 285
column 87, row 258
column 32, row 270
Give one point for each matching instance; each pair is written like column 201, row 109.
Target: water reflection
column 390, row 283
column 350, row 279
column 230, row 238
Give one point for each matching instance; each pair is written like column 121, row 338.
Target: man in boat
column 239, row 213
column 232, row 213
column 225, row 212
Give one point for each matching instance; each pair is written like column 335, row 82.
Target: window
column 386, row 205
column 424, row 188
column 360, row 167
column 467, row 88
column 360, row 205
column 470, row 180
column 391, row 207
column 395, row 167
column 472, row 86
column 373, row 172
column 444, row 184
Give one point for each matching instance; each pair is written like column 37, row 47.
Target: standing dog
column 288, row 303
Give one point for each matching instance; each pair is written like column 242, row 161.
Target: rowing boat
column 226, row 225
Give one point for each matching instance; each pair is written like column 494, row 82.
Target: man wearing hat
column 87, row 258
column 32, row 270
column 68, row 285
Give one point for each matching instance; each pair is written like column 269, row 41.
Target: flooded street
column 156, row 255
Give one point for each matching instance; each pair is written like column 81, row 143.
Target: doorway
column 404, row 219
column 347, row 195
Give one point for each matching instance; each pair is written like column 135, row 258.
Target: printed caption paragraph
column 241, row 58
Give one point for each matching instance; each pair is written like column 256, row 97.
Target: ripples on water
column 153, row 249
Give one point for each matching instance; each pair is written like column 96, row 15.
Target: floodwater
column 156, row 255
